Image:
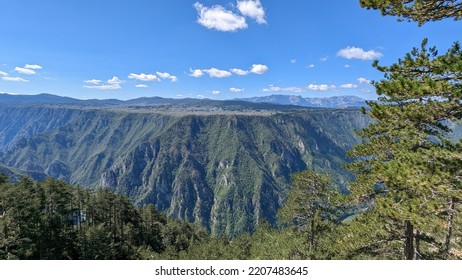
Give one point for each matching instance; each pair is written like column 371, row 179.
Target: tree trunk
column 312, row 236
column 312, row 215
column 447, row 242
column 417, row 255
column 409, row 242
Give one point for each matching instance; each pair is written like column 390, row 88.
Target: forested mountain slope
column 225, row 170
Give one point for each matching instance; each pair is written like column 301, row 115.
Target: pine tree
column 408, row 166
column 420, row 11
column 58, row 239
column 310, row 206
column 20, row 222
column 152, row 223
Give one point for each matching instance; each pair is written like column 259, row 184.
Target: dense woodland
column 54, row 220
column 404, row 203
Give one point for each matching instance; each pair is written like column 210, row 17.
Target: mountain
column 328, row 102
column 14, row 175
column 230, row 172
column 75, row 144
column 45, row 98
column 263, row 101
column 223, row 164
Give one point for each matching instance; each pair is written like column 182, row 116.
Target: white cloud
column 286, row 89
column 33, row 66
column 3, row 73
column 259, row 69
column 310, row 66
column 359, row 53
column 236, row 90
column 165, row 75
column 252, row 9
column 14, row 79
column 24, row 71
column 105, row 87
column 219, row 18
column 348, row 86
column 239, row 72
column 200, row 96
column 213, row 73
column 111, row 84
column 144, row 77
column 114, row 81
column 141, row 86
column 293, row 61
column 347, row 66
column 217, row 73
column 364, row 81
column 196, row 73
column 322, row 87
column 324, row 58
column 94, row 82
column 216, row 92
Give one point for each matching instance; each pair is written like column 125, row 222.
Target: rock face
column 24, row 122
column 74, row 144
column 226, row 171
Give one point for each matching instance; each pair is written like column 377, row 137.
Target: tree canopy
column 420, row 11
column 54, row 220
column 408, row 165
column 311, row 208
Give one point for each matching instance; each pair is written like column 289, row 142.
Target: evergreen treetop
column 408, row 166
column 420, row 11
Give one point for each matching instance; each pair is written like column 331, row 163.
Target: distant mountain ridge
column 294, row 100
column 315, row 102
column 45, row 98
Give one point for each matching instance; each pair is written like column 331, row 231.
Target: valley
column 223, row 164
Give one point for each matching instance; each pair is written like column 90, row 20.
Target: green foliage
column 271, row 244
column 310, row 218
column 420, row 11
column 408, row 166
column 53, row 220
column 311, row 208
column 266, row 243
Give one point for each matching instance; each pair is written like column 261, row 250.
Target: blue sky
column 219, row 49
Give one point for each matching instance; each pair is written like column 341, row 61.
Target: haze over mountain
column 315, row 102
